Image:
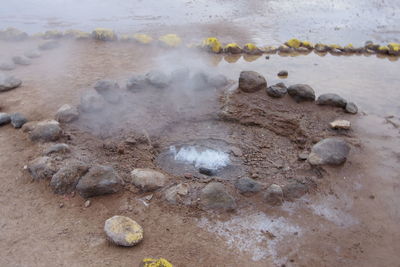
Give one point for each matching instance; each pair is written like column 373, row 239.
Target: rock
column 148, row 179
column 7, row 66
column 87, row 203
column 237, row 152
column 20, row 60
column 4, row 118
column 57, row 148
column 136, row 83
column 330, row 151
column 29, row 126
column 104, row 34
column 13, row 34
column 53, row 34
column 32, row 54
column 46, row 131
column 112, row 97
column 283, row 73
column 247, row 185
column 350, row 108
column 251, row 81
column 274, row 195
column 123, row 231
column 303, row 156
column 301, row 92
column 157, row 79
column 173, row 194
column 8, row 82
column 333, row 100
column 41, row 168
column 215, row 196
column 91, row 101
column 99, row 180
column 278, row 90
column 295, row 190
column 17, row 120
column 65, row 179
column 207, row 171
column 104, row 86
column 67, row 113
column 340, row 124
column 217, row 81
column 48, row 45
column 150, row 262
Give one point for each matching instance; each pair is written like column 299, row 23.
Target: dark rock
column 91, row 101
column 351, row 108
column 17, row 120
column 49, row 45
column 46, row 131
column 251, row 81
column 32, row 54
column 104, row 86
column 295, row 190
column 215, row 196
column 333, row 100
column 41, row 168
column 148, row 179
column 65, row 179
column 67, row 113
column 278, row 90
column 206, row 171
column 330, row 151
column 20, row 60
column 301, row 92
column 217, row 81
column 56, row 148
column 283, row 73
column 8, row 82
column 4, row 118
column 7, row 66
column 136, row 83
column 247, row 185
column 274, row 195
column 99, row 180
column 157, row 79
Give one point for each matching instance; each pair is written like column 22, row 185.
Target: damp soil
column 349, row 218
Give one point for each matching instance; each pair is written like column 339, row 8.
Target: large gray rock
column 91, row 101
column 7, row 66
column 8, row 82
column 4, row 118
column 278, row 90
column 57, row 148
column 148, row 179
column 48, row 45
column 295, row 190
column 333, row 100
column 247, row 185
column 65, row 179
column 21, row 60
column 330, row 151
column 136, row 83
column 251, row 81
column 123, row 231
column 17, row 120
column 104, row 86
column 46, row 131
column 157, row 79
column 41, row 168
column 215, row 196
column 67, row 113
column 301, row 92
column 99, row 180
column 274, row 195
column 351, row 108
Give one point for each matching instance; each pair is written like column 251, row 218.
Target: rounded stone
column 123, row 231
column 333, row 100
column 8, row 82
column 4, row 118
column 148, row 179
column 251, row 81
column 136, row 83
column 283, row 73
column 295, row 190
column 157, row 79
column 330, row 151
column 247, row 185
column 21, row 60
column 215, row 196
column 351, row 108
column 67, row 113
column 278, row 90
column 301, row 92
column 46, row 131
column 274, row 195
column 17, row 120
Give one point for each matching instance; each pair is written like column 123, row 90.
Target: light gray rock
column 175, row 193
column 215, row 196
column 17, row 120
column 29, row 126
column 301, row 92
column 65, row 179
column 295, row 190
column 32, row 54
column 123, row 231
column 4, row 118
column 274, row 195
column 199, row 81
column 7, row 66
column 157, row 79
column 41, row 168
column 57, row 148
column 137, row 83
column 48, row 45
column 251, row 81
column 330, row 151
column 91, row 101
column 278, row 90
column 21, row 60
column 99, row 180
column 46, row 131
column 104, row 86
column 217, row 81
column 67, row 113
column 351, row 108
column 247, row 185
column 8, row 82
column 180, row 75
column 148, row 179
column 333, row 100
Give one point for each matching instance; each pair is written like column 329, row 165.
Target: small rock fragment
column 274, row 195
column 148, row 179
column 283, row 73
column 207, row 171
column 150, row 262
column 123, row 231
column 41, row 168
column 278, row 90
column 247, row 185
column 4, row 118
column 173, row 194
column 294, row 190
column 340, row 124
column 351, row 108
column 215, row 196
column 18, row 120
column 87, row 203
column 66, row 113
column 65, row 179
column 56, row 148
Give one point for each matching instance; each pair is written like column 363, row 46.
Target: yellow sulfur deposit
column 307, row 44
column 383, row 49
column 170, row 40
column 293, row 43
column 270, row 49
column 76, row 34
column 335, row 46
column 123, row 231
column 394, row 49
column 149, row 262
column 143, row 38
column 104, row 34
column 252, row 49
column 212, row 44
column 232, row 48
column 52, row 34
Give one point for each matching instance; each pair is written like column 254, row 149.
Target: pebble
column 4, row 118
column 340, row 124
column 87, row 203
column 283, row 73
column 18, row 120
column 351, row 108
